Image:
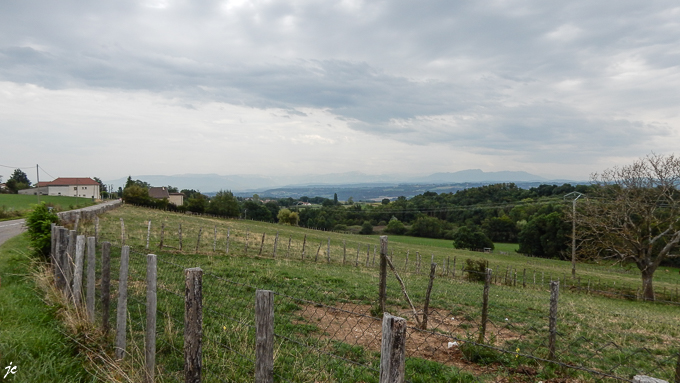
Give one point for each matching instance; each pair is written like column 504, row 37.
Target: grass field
column 325, row 306
column 31, row 337
column 13, row 206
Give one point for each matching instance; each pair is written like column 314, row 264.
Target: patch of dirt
column 352, row 324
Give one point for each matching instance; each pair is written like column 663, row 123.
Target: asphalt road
column 9, row 229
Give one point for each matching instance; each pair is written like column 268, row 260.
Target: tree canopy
column 633, row 215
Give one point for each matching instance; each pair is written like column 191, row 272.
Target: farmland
column 326, row 303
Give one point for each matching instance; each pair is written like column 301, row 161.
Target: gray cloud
column 535, row 78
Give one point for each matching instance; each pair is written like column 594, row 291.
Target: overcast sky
column 558, row 89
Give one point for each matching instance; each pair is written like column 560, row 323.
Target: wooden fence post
column 316, row 257
column 677, row 369
column 198, row 240
column 179, row 235
column 261, row 245
column 406, row 263
column 276, row 243
column 304, row 243
column 122, row 232
column 392, row 348
column 328, row 250
column 121, row 310
column 59, row 250
column 368, row 254
column 417, row 262
column 264, row 336
column 344, row 252
column 552, row 340
column 373, row 259
column 485, row 305
column 150, row 343
column 160, row 245
column 382, row 288
column 106, row 284
column 91, row 264
column 148, row 235
column 356, row 262
column 228, row 234
column 453, row 274
column 193, row 324
column 214, row 238
column 68, row 263
column 247, row 232
column 78, row 274
column 290, row 239
column 433, row 268
column 96, row 230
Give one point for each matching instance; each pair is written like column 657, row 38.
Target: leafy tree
column 350, row 201
column 288, row 217
column 425, row 226
column 139, row 183
column 633, row 215
column 38, row 225
column 500, row 229
column 366, row 228
column 224, row 204
column 471, row 238
column 136, row 195
column 257, row 211
column 385, row 201
column 395, row 227
column 335, row 198
column 172, row 189
column 198, row 203
column 545, row 236
column 20, row 177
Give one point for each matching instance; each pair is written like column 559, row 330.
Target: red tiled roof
column 66, row 181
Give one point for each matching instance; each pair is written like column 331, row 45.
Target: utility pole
column 573, row 229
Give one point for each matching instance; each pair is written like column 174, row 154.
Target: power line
column 17, row 167
column 45, row 171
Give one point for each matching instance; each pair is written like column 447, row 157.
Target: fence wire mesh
column 328, row 326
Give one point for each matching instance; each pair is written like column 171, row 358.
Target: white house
column 67, row 186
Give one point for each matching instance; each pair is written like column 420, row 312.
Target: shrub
column 476, row 269
column 366, row 228
column 395, row 227
column 40, row 230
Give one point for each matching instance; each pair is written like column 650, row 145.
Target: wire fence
column 329, row 329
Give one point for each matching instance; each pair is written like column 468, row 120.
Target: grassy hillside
column 13, row 206
column 31, row 337
column 594, row 331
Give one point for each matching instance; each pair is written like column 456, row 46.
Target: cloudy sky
column 558, row 89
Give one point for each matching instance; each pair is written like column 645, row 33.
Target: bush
column 471, row 238
column 395, row 227
column 366, row 228
column 476, row 269
column 39, row 224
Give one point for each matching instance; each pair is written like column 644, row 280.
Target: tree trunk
column 647, row 286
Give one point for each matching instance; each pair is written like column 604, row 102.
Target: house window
column 84, row 187
column 75, row 188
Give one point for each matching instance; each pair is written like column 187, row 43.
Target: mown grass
column 31, row 337
column 594, row 331
column 13, row 206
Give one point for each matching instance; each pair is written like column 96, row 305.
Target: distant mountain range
column 352, row 181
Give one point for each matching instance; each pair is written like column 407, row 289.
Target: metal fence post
column 150, row 343
column 193, row 324
column 392, row 348
column 121, row 310
column 552, row 340
column 264, row 338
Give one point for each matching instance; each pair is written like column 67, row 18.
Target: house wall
column 176, row 199
column 85, row 191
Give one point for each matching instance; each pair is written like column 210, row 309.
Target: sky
column 115, row 88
